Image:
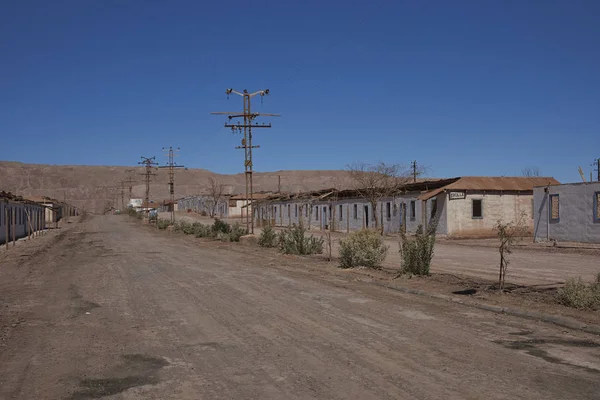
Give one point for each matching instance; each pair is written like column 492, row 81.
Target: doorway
column 367, row 217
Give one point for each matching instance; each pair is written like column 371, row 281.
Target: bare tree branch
column 374, row 182
column 531, row 172
column 215, row 191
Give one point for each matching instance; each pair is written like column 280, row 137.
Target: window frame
column 388, row 211
column 473, row 209
column 550, row 197
column 413, row 210
column 596, row 206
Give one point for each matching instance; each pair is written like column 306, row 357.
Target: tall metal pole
column 171, row 166
column 148, row 163
column 247, row 145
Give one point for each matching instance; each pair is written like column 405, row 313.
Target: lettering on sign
column 457, row 195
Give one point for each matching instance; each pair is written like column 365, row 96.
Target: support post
column 347, row 219
column 7, row 224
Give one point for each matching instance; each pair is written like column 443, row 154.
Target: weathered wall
column 321, row 213
column 200, row 204
column 21, row 222
column 496, row 206
column 576, row 221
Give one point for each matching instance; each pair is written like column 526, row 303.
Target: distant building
column 204, row 205
column 463, row 206
column 569, row 212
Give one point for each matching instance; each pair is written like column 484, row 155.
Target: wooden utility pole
column 148, row 163
column 171, row 166
column 130, row 181
column 246, row 128
column 414, row 170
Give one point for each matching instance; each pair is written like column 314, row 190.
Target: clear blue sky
column 464, row 87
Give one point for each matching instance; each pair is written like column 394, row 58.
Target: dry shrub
column 364, row 248
column 578, row 294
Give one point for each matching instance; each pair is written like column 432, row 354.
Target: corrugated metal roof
column 493, row 183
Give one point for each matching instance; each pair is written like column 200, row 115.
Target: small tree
column 374, row 182
column 215, row 191
column 509, row 234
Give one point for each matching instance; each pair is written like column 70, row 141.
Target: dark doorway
column 366, row 216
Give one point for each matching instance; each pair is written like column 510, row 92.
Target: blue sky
column 464, row 87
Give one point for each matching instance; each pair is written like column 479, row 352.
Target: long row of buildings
column 24, row 216
column 463, row 206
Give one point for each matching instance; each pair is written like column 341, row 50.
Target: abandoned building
column 19, row 217
column 204, row 205
column 463, row 206
column 569, row 212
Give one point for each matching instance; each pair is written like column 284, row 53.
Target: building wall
column 495, row 206
column 577, row 221
column 203, row 204
column 22, row 225
column 326, row 213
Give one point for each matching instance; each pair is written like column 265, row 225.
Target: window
column 289, row 213
column 306, row 211
column 317, row 213
column 477, row 208
column 554, row 208
column 275, row 211
column 413, row 210
column 356, row 211
column 296, row 210
column 433, row 208
column 395, row 209
column 596, row 206
column 341, row 212
column 388, row 210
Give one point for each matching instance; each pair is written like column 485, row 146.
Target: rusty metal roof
column 494, row 183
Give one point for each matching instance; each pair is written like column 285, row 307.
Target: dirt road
column 544, row 266
column 114, row 309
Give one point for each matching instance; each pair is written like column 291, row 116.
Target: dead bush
column 364, row 248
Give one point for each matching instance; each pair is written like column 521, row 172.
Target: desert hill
column 93, row 186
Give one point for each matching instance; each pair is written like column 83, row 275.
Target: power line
column 246, row 128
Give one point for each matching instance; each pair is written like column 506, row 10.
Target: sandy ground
column 528, row 266
column 109, row 308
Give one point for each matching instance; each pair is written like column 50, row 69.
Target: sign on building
column 457, row 195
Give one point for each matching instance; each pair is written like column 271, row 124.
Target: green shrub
column 268, row 237
column 220, row 226
column 162, row 223
column 417, row 252
column 578, row 294
column 364, row 248
column 293, row 240
column 203, row 231
column 237, row 231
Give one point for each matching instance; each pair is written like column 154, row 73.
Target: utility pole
column 148, row 163
column 597, row 165
column 246, row 128
column 171, row 153
column 130, row 181
column 414, row 168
